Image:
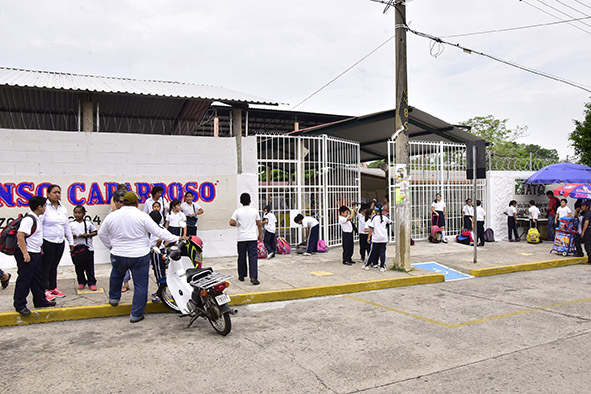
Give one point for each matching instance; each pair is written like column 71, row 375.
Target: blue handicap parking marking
column 449, row 273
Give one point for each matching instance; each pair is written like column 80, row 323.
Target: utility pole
column 402, row 218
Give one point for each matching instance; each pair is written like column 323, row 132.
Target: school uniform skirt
column 468, row 222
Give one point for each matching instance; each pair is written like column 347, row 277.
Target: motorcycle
column 194, row 291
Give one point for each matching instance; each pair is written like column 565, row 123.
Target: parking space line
column 469, row 322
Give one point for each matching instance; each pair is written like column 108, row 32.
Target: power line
column 507, row 62
column 516, row 28
column 554, row 16
column 583, row 4
column 572, row 8
column 562, row 12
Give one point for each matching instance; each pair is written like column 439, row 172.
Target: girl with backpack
column 83, row 252
column 439, row 213
column 378, row 236
column 270, row 226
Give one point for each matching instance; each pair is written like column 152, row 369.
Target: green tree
column 580, row 138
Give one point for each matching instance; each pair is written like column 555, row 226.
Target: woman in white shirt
column 174, row 219
column 191, row 210
column 439, row 213
column 468, row 215
column 56, row 229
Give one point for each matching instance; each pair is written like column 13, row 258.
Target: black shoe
column 5, row 282
column 241, row 278
column 136, row 319
column 480, row 244
column 255, row 282
column 352, row 262
column 46, row 304
column 347, row 263
column 24, row 311
column 113, row 302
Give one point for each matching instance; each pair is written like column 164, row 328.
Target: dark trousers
column 250, row 248
column 512, row 228
column 468, row 222
column 270, row 241
column 52, row 254
column 578, row 247
column 480, row 230
column 313, row 239
column 587, row 240
column 551, row 227
column 191, row 230
column 347, row 247
column 158, row 267
column 29, row 278
column 364, row 247
column 84, row 264
column 378, row 251
column 533, row 224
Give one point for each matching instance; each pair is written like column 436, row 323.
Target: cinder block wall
column 66, row 157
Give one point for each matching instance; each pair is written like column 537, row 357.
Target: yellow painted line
column 470, row 322
column 88, row 291
column 525, row 254
column 320, row 291
column 506, row 269
column 322, row 273
column 47, row 315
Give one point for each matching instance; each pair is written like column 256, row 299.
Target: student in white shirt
column 126, row 233
column 28, row 259
column 480, row 218
column 364, row 215
column 439, row 212
column 511, row 213
column 156, row 194
column 345, row 217
column 562, row 210
column 250, row 230
column 175, row 217
column 191, row 210
column 378, row 236
column 312, row 227
column 83, row 253
column 270, row 226
column 56, row 229
column 534, row 212
column 468, row 215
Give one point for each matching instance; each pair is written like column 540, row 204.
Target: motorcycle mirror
column 183, row 224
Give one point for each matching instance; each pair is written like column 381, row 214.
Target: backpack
column 436, row 235
column 301, row 248
column 467, row 233
column 462, row 239
column 533, row 236
column 261, row 250
column 8, row 243
column 321, row 247
column 282, row 246
column 489, row 235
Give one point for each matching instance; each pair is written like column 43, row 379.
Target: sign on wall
column 525, row 192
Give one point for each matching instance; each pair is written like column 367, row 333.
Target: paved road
column 520, row 333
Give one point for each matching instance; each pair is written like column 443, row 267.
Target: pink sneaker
column 92, row 287
column 80, row 287
column 58, row 293
column 49, row 296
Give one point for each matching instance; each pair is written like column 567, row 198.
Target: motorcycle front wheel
column 221, row 323
column 166, row 297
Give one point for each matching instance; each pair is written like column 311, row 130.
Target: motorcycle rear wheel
column 222, row 325
column 164, row 294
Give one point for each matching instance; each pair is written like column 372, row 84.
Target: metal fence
column 310, row 175
column 435, row 167
column 497, row 163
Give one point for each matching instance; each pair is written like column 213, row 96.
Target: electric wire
column 583, row 4
column 562, row 12
column 572, row 8
column 553, row 15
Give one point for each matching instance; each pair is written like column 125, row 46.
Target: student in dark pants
column 586, row 229
column 28, row 259
column 270, row 226
column 480, row 217
column 364, row 216
column 250, row 229
column 312, row 227
column 511, row 213
column 83, row 253
column 345, row 217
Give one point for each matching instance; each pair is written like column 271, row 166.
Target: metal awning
column 374, row 130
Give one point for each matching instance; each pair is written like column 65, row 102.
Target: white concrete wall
column 66, row 157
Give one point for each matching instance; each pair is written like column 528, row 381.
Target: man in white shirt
column 126, row 233
column 248, row 222
column 28, row 259
column 480, row 218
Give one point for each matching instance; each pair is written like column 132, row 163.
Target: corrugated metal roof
column 115, row 85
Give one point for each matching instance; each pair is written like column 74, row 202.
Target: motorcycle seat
column 197, row 273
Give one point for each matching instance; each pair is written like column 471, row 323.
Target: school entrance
column 434, row 167
column 311, row 175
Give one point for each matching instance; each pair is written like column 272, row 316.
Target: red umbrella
column 574, row 190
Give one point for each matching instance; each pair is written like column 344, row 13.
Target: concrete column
column 216, row 126
column 237, row 133
column 87, row 114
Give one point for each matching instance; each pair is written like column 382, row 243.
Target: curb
column 506, row 269
column 48, row 315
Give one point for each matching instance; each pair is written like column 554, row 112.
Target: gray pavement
column 297, row 271
column 527, row 332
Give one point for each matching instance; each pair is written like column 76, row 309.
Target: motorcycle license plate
column 222, row 299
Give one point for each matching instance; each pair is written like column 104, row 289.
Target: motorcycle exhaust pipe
column 233, row 311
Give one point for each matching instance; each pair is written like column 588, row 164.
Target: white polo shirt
column 379, row 233
column 34, row 242
column 309, row 222
column 271, row 225
column 346, row 225
column 562, row 212
column 78, row 229
column 175, row 219
column 125, row 232
column 511, row 210
column 190, row 209
column 438, row 205
column 468, row 210
column 480, row 214
column 246, row 222
column 56, row 225
column 534, row 211
column 361, row 222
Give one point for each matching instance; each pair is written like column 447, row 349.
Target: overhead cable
column 554, row 16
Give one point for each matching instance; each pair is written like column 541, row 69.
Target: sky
column 285, row 50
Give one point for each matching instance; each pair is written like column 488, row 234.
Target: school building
column 89, row 133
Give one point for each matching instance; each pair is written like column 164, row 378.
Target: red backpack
column 8, row 242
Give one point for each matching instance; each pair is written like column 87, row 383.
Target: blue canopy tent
column 561, row 173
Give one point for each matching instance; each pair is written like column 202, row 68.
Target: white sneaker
column 307, row 254
column 382, row 269
column 366, row 267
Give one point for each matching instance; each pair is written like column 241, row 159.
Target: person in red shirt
column 552, row 206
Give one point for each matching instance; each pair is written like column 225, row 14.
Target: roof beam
column 439, row 132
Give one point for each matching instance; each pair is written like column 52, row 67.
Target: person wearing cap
column 586, row 228
column 125, row 233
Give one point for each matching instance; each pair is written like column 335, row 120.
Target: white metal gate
column 312, row 175
column 435, row 167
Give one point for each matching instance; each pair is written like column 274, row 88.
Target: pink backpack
column 261, row 250
column 321, row 247
column 282, row 246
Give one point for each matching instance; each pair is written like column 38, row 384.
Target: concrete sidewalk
column 296, row 276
